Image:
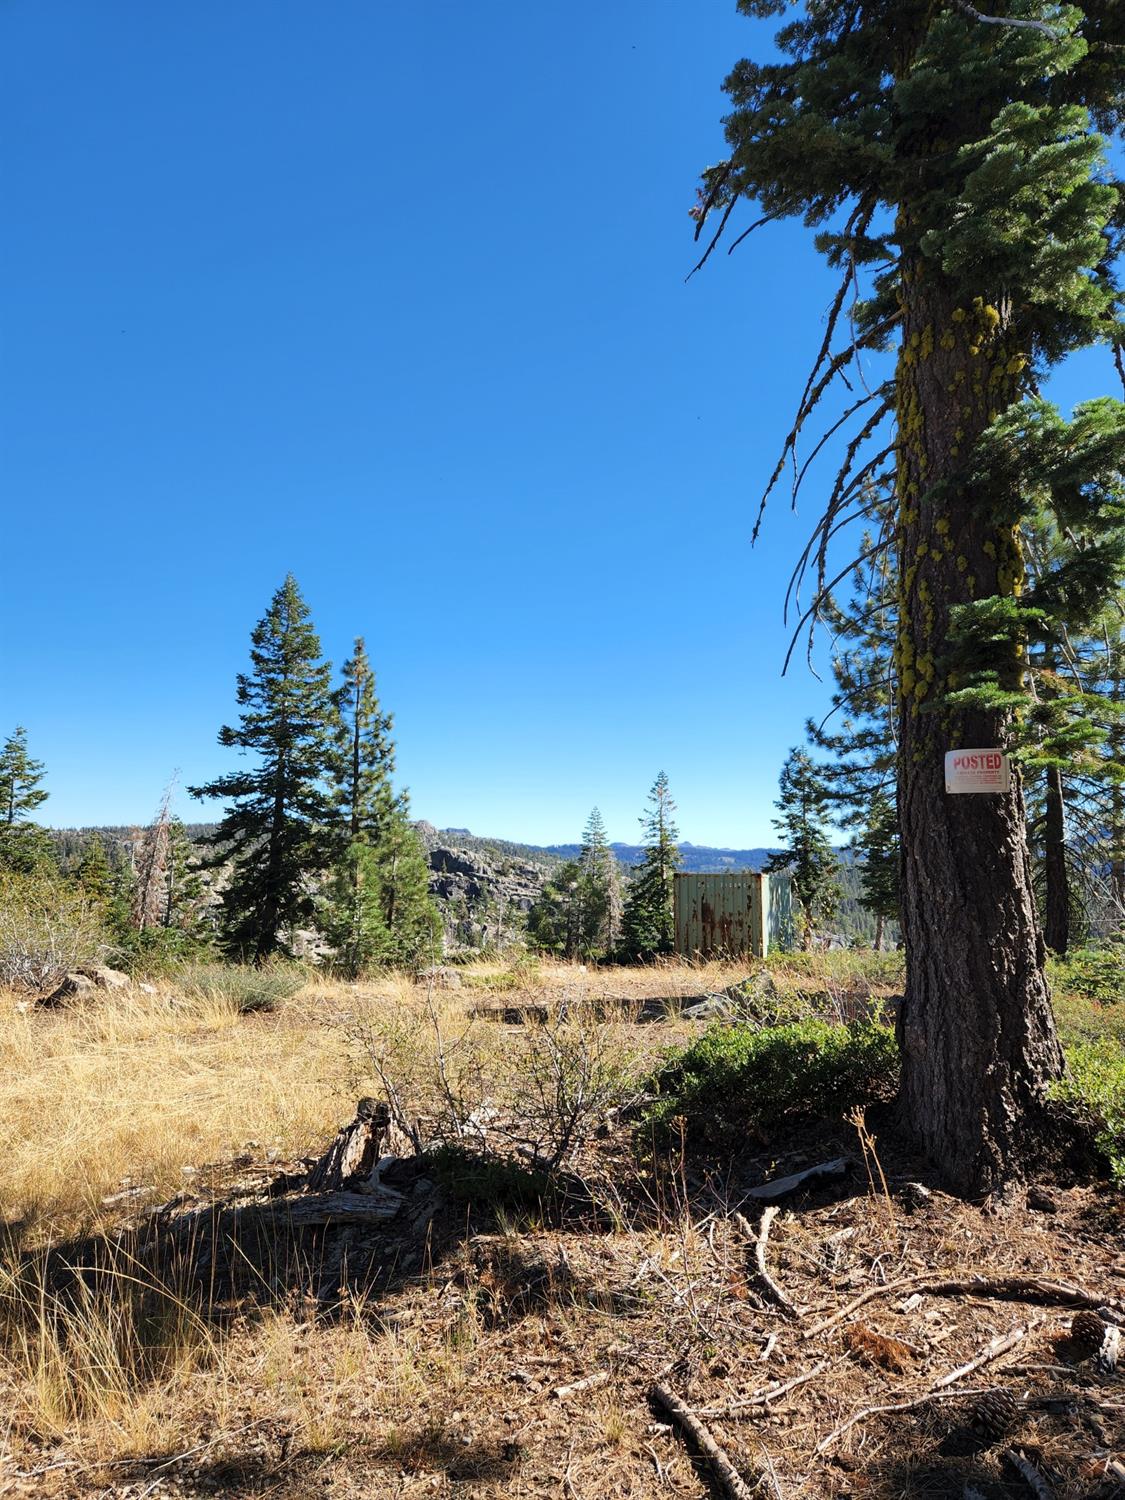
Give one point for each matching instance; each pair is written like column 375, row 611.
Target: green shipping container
column 732, row 914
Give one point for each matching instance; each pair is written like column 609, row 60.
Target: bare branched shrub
column 46, row 929
column 567, row 1073
column 538, row 1089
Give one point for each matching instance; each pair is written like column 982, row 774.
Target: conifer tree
column 377, row 909
column 648, row 923
column 808, row 856
column 94, row 874
column 952, row 159
column 184, row 904
column 276, row 829
column 365, row 753
column 24, row 847
column 599, row 890
column 877, row 847
column 554, row 923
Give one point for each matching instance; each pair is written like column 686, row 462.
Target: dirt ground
column 488, row 1342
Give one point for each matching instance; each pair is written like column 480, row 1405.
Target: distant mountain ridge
column 692, row 856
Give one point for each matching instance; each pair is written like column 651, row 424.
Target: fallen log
column 726, row 1475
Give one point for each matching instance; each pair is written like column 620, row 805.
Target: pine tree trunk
column 1117, row 811
column 1056, row 924
column 880, row 922
column 979, row 1044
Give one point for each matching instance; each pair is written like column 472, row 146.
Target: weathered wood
column 1015, row 1288
column 353, row 1154
column 726, row 1475
column 781, row 1186
column 765, row 1280
column 588, row 1383
column 998, row 1346
column 331, row 1208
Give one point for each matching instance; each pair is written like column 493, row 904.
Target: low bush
column 1097, row 973
column 1095, row 1084
column 737, row 1078
column 244, row 989
column 47, row 927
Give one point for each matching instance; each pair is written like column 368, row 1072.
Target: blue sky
column 392, row 295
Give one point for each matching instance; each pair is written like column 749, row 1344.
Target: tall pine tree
column 24, row 846
column 808, row 856
column 599, row 890
column 953, row 159
column 276, row 830
column 648, row 923
column 377, row 909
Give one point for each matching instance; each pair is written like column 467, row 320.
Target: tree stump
column 355, row 1153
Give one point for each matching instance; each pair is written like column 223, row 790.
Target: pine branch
column 971, row 10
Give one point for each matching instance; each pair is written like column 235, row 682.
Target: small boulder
column 107, row 979
column 711, row 1008
column 441, row 977
column 74, row 986
column 755, row 996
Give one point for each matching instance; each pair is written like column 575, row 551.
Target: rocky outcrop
column 483, row 898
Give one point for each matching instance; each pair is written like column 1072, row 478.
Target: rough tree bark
column 979, row 1044
column 1056, row 915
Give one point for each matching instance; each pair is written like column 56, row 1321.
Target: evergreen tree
column 877, row 847
column 276, row 830
column 411, row 918
column 599, row 890
column 365, row 752
column 808, row 856
column 648, row 923
column 555, row 922
column 952, row 159
column 378, row 910
column 25, row 848
column 860, row 734
column 184, row 896
column 94, row 874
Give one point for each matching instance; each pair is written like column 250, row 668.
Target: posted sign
column 977, row 771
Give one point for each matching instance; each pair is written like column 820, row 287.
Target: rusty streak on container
column 731, row 914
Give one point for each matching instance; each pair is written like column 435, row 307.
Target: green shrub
column 157, row 952
column 246, row 989
column 1096, row 1084
column 737, row 1078
column 1098, row 973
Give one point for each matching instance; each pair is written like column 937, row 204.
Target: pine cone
column 994, row 1413
column 1087, row 1331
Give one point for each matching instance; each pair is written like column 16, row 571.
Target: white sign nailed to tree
column 977, row 771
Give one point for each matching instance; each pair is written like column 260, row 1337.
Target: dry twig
column 876, row 1411
column 1014, row 1288
column 999, row 1345
column 764, row 1397
column 767, row 1282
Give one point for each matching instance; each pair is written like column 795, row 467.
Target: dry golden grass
column 136, row 1087
column 132, row 1088
column 442, row 1383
